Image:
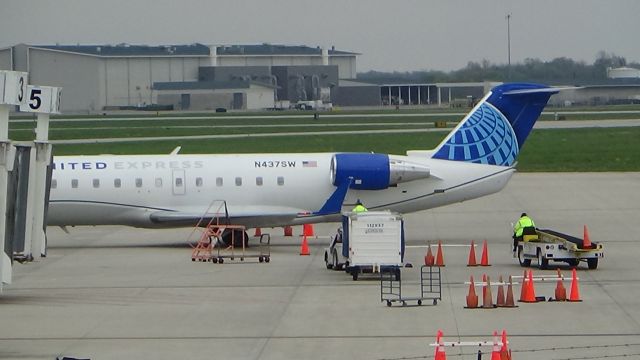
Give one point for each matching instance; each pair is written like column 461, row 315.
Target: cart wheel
column 221, row 260
column 232, row 258
column 523, row 262
column 404, row 303
column 388, row 303
column 354, row 274
column 592, row 263
column 193, row 259
column 542, row 261
column 419, row 302
column 266, row 259
column 241, row 259
column 260, row 259
column 435, row 301
column 214, row 260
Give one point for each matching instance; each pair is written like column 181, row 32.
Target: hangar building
column 103, row 77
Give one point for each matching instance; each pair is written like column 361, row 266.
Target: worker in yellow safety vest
column 524, row 226
column 359, row 207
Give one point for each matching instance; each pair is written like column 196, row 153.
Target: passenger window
column 280, row 180
column 74, row 183
column 96, row 183
column 54, row 183
column 178, row 182
column 199, row 182
column 117, row 183
column 219, row 181
column 158, row 182
column 259, row 181
column 138, row 182
column 238, row 181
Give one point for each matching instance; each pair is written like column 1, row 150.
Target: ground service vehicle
column 548, row 245
column 367, row 242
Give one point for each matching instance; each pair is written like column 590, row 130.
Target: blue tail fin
column 495, row 130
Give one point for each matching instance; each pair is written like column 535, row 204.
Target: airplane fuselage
column 126, row 190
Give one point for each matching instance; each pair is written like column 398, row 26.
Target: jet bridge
column 25, row 172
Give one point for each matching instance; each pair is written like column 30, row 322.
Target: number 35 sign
column 42, row 99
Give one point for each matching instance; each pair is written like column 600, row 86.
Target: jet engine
column 374, row 171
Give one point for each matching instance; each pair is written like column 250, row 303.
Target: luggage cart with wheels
column 430, row 286
column 262, row 252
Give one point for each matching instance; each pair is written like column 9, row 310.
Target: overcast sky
column 390, row 34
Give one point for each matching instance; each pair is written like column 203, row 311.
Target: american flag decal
column 309, row 164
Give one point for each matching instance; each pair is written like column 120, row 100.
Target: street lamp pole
column 509, row 46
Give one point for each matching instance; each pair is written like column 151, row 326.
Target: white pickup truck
column 368, row 242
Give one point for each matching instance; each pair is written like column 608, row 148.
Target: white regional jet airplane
column 477, row 158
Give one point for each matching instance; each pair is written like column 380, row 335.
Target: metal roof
column 192, row 50
column 133, row 50
column 273, row 49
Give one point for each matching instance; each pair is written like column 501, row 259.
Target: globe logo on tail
column 486, row 137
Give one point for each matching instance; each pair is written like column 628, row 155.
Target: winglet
column 333, row 205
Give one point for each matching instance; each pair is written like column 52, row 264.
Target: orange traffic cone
column 439, row 255
column 487, row 299
column 288, row 231
column 495, row 354
column 500, row 300
column 586, row 242
column 484, row 288
column 530, row 295
column 429, row 259
column 484, row 260
column 523, row 287
column 304, row 249
column 509, row 301
column 258, row 232
column 575, row 293
column 307, row 230
column 561, row 292
column 440, row 354
column 472, row 255
column 505, row 353
column 472, row 298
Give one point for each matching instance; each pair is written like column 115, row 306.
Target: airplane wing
column 257, row 216
column 250, row 218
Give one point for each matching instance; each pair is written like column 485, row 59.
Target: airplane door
column 178, row 183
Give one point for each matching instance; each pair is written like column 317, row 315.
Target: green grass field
column 586, row 149
column 589, row 149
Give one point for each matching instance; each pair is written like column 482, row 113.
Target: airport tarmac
column 122, row 293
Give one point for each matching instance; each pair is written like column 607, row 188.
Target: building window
column 280, row 180
column 158, row 182
column 138, row 182
column 259, row 180
column 96, row 183
column 238, row 181
column 54, row 183
column 74, row 183
column 219, row 181
column 117, row 183
column 199, row 182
